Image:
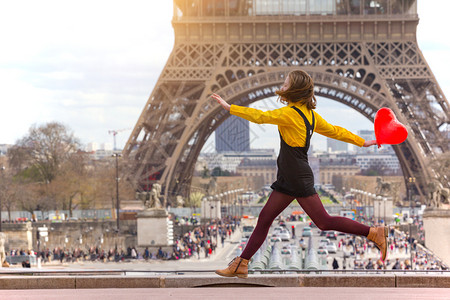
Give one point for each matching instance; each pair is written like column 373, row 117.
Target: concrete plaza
column 232, row 293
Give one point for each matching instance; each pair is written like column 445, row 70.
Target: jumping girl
column 296, row 123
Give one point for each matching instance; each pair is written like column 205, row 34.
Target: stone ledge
column 436, row 213
column 269, row 280
column 94, row 282
column 36, row 282
column 423, row 281
column 192, row 281
column 353, row 280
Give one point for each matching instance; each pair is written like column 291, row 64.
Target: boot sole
column 386, row 234
column 231, row 275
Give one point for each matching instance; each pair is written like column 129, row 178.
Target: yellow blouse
column 291, row 124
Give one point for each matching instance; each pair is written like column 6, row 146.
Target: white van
column 247, row 230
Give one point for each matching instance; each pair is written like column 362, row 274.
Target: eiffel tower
column 361, row 53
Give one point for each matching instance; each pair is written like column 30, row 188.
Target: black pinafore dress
column 294, row 176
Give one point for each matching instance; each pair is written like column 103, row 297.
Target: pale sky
column 92, row 65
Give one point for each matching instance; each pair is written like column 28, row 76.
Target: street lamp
column 379, row 198
column 2, row 169
column 116, row 155
column 226, row 200
column 210, row 199
column 411, row 181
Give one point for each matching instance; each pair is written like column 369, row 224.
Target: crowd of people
column 399, row 248
column 201, row 241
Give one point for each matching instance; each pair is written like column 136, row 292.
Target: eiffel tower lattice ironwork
column 361, row 53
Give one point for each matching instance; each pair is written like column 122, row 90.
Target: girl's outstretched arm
column 222, row 102
column 370, row 143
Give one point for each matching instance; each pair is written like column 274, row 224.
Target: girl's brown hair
column 301, row 89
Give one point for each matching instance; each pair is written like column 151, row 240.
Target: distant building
column 230, row 160
column 4, row 148
column 315, row 167
column 92, row 147
column 336, row 146
column 101, row 154
column 233, row 135
column 388, row 161
column 336, row 164
column 267, row 169
column 367, row 135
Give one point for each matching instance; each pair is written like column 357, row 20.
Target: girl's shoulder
column 303, row 108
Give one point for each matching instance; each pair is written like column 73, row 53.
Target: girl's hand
column 371, row 143
column 222, row 102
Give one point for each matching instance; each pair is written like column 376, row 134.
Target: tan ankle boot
column 237, row 267
column 379, row 235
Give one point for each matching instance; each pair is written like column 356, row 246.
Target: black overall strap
column 309, row 127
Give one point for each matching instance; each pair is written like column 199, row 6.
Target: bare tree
column 36, row 160
column 8, row 191
column 71, row 184
column 39, row 155
column 195, row 199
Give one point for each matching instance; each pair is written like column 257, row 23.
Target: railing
column 195, row 9
column 15, row 259
column 296, row 260
column 276, row 263
column 125, row 272
column 311, row 260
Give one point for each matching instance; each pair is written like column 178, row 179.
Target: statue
column 153, row 199
column 212, row 186
column 383, row 187
column 3, row 261
column 437, row 194
column 180, row 201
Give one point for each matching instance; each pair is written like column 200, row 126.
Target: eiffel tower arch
column 361, row 53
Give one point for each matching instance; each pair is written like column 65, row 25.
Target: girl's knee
column 265, row 221
column 324, row 224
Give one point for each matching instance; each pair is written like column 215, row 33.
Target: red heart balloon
column 388, row 130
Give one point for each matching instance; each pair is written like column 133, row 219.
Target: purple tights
column 312, row 206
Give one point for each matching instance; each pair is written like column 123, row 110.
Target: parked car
column 278, row 229
column 285, row 236
column 286, row 250
column 275, row 238
column 322, row 251
column 331, row 235
column 331, row 247
column 247, row 230
column 306, row 231
column 324, row 242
